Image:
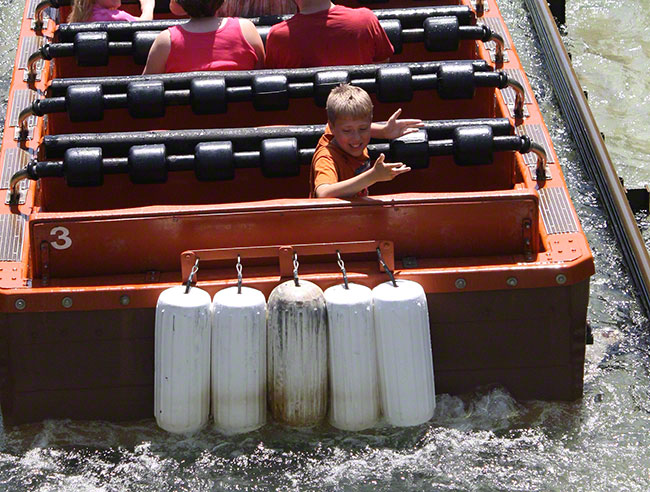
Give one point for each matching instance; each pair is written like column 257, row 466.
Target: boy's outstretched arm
column 380, row 171
column 394, row 128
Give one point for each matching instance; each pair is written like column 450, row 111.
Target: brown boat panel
column 66, row 365
column 120, row 241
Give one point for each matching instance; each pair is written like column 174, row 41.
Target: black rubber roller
column 142, row 41
column 279, row 157
column 393, row 29
column 412, row 149
column 147, row 164
column 456, row 81
column 85, row 102
column 394, row 84
column 146, row 99
column 441, row 33
column 91, row 49
column 473, row 145
column 83, row 166
column 270, row 92
column 208, row 96
column 324, row 82
column 214, row 161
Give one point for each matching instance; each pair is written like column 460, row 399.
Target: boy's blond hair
column 348, row 101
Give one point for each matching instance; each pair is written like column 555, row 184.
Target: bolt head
column 66, row 302
column 20, row 304
column 125, row 300
column 560, row 278
column 512, row 282
column 460, row 283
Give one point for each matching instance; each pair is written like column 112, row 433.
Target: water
column 485, row 441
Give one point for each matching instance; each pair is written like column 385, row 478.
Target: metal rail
column 591, row 149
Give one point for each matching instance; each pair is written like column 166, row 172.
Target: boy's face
column 352, row 134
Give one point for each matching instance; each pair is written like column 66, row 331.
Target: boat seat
column 424, row 30
column 266, row 97
column 498, row 224
column 117, row 144
column 251, row 164
column 276, row 151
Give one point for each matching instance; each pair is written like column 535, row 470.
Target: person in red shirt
column 324, row 34
column 206, row 42
column 341, row 165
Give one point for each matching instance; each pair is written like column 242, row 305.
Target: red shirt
column 337, row 36
column 223, row 49
column 331, row 164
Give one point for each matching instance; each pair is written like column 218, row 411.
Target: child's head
column 349, row 113
column 197, row 8
column 348, row 101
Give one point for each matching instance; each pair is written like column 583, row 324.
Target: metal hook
column 239, row 269
column 480, row 8
column 188, row 284
column 540, row 170
column 386, row 269
column 39, row 22
column 295, row 269
column 339, row 260
column 499, row 48
column 520, row 98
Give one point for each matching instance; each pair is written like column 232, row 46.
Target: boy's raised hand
column 386, row 171
column 395, row 128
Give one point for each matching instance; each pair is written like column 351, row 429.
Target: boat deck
column 498, row 247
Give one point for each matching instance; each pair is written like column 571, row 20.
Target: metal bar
column 284, row 253
column 592, row 150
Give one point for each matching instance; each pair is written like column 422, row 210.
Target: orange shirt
column 331, row 164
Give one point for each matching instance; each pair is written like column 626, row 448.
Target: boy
column 323, row 34
column 341, row 166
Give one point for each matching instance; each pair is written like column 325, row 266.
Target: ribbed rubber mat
column 497, row 26
column 537, row 135
column 15, row 159
column 11, row 237
column 509, row 93
column 22, row 99
column 556, row 211
column 30, row 45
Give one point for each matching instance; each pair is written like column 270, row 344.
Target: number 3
column 63, row 240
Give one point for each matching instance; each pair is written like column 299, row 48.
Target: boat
column 111, row 195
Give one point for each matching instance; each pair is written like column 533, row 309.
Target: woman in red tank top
column 205, row 42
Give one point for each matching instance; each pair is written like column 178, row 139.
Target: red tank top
column 223, row 49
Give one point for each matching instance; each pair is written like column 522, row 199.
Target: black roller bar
column 591, row 148
column 409, row 18
column 277, row 157
column 117, row 144
column 269, row 90
column 95, row 47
